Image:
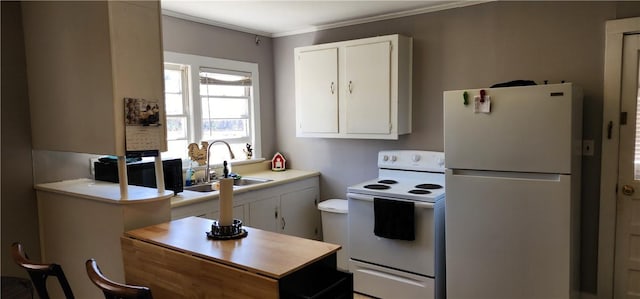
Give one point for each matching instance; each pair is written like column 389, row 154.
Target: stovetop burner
column 406, row 175
column 429, row 186
column 419, row 191
column 390, row 182
column 377, row 186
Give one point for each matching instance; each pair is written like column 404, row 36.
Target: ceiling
column 282, row 18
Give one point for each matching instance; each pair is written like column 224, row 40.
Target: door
column 627, row 248
column 537, row 122
column 416, row 256
column 238, row 213
column 263, row 214
column 317, row 91
column 509, row 235
column 367, row 88
column 299, row 215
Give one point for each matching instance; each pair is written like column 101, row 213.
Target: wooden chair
column 112, row 289
column 40, row 272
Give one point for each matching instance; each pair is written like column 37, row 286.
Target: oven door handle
column 417, row 204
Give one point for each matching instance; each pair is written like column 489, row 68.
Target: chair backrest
column 39, row 272
column 112, row 289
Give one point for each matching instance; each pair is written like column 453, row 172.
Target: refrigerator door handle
column 507, row 174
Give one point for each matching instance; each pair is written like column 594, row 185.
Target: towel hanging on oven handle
column 417, row 204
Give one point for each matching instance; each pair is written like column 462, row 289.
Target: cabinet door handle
column 283, row 222
column 332, row 87
column 350, row 87
column 275, row 213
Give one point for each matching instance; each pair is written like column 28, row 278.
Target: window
column 221, row 103
column 176, row 93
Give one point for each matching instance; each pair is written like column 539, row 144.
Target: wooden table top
column 263, row 252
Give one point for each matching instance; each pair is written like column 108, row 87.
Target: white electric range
column 396, row 227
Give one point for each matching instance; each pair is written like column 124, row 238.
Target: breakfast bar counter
column 177, row 260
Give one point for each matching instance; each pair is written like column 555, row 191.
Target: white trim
column 178, row 15
column 445, row 6
column 615, row 30
column 219, row 63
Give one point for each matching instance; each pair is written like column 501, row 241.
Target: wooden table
column 177, row 260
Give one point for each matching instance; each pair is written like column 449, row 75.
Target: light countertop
column 262, row 252
column 277, row 178
column 110, row 192
column 104, row 191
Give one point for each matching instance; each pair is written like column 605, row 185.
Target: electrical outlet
column 587, row 147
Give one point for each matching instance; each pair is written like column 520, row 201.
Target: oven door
column 416, row 257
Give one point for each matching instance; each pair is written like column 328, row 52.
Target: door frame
column 615, row 31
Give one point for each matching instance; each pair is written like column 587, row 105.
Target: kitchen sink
column 208, row 187
column 250, row 181
column 237, row 183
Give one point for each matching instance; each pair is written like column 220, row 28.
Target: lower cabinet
column 293, row 212
column 264, row 213
column 238, row 213
column 289, row 209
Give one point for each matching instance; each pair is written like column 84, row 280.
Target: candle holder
column 227, row 232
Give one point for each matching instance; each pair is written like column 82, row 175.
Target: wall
column 198, row 39
column 17, row 197
column 468, row 47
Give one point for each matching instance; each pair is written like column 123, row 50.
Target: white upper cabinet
column 317, row 84
column 354, row 89
column 83, row 59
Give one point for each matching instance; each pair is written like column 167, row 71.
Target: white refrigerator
column 513, row 160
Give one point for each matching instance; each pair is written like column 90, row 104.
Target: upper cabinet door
column 317, row 91
column 368, row 88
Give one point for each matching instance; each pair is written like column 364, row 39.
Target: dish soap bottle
column 189, row 175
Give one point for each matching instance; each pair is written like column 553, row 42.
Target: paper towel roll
column 226, row 202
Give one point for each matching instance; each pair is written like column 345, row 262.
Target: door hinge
column 623, row 118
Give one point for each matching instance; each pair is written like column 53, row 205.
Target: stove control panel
column 411, row 160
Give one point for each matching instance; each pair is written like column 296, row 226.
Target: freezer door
column 528, row 129
column 510, row 236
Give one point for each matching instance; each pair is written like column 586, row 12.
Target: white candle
column 226, row 202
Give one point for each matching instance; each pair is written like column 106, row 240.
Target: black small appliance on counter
column 142, row 173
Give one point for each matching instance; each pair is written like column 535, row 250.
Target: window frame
column 248, row 95
column 194, row 106
column 186, row 95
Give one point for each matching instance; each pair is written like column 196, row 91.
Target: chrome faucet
column 208, row 168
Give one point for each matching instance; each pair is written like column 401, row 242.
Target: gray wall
column 198, row 39
column 17, row 197
column 468, row 47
